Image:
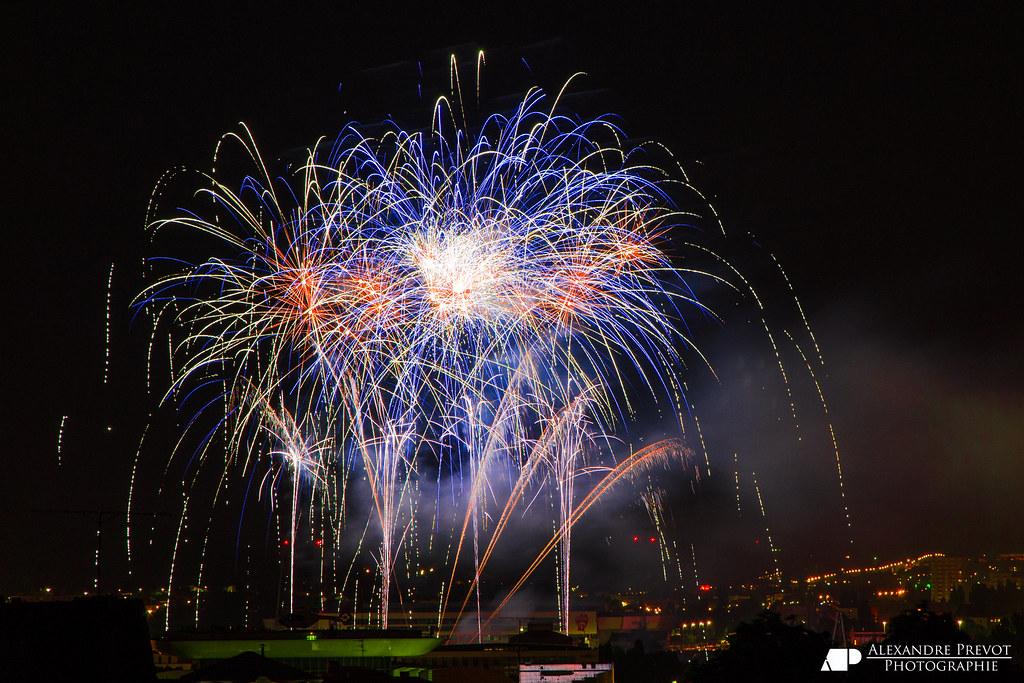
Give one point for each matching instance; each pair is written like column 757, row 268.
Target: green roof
column 300, row 647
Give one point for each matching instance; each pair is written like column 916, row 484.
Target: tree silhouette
column 919, row 625
column 765, row 649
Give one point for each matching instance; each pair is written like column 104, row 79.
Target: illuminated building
column 947, row 573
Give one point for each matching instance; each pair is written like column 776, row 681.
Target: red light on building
column 636, row 539
column 652, row 539
column 319, row 543
column 284, row 542
column 704, row 587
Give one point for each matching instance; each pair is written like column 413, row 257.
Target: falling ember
column 60, row 438
column 773, row 551
column 736, row 478
column 106, row 331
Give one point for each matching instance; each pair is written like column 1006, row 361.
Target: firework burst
column 483, row 299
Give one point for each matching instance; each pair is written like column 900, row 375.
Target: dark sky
column 876, row 152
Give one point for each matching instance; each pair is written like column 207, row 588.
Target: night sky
column 876, row 153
